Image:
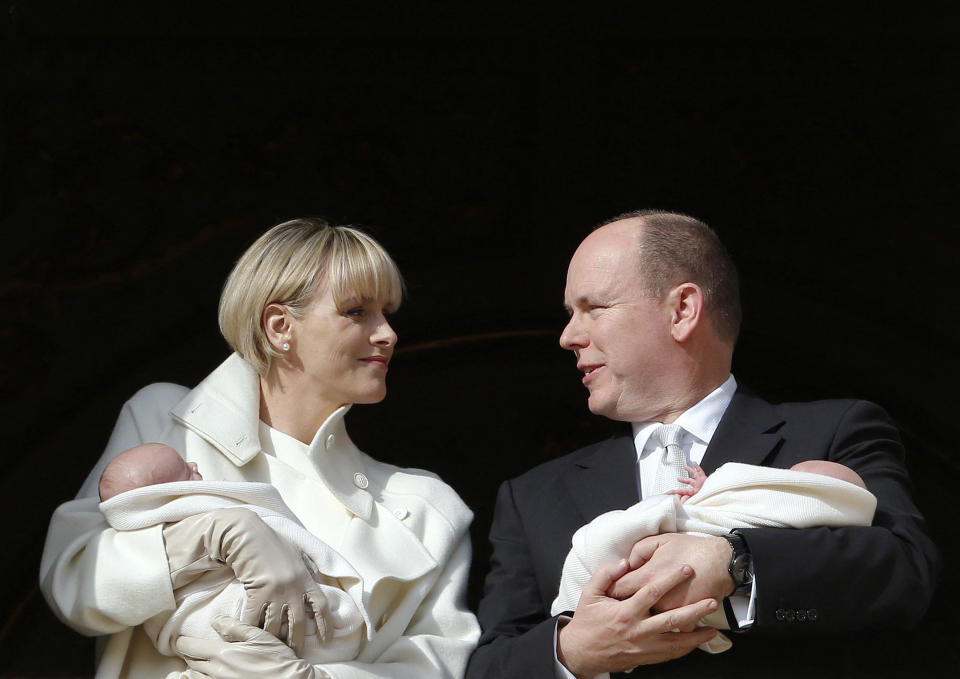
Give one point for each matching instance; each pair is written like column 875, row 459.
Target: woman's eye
column 355, row 311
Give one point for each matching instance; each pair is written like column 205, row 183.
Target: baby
column 152, row 484
column 145, row 465
column 811, row 493
column 824, row 467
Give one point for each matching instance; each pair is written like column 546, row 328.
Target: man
column 654, row 315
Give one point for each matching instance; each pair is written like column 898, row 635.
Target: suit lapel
column 749, row 432
column 605, row 480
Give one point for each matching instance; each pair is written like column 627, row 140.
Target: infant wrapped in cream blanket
column 218, row 591
column 734, row 496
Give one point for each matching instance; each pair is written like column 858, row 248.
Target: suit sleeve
column 517, row 640
column 96, row 579
column 827, row 580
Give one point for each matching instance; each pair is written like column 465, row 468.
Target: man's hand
column 244, row 651
column 607, row 635
column 658, row 555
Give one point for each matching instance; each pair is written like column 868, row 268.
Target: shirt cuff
column 559, row 671
column 743, row 609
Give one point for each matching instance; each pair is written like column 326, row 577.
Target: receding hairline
column 668, row 243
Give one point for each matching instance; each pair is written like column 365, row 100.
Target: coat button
column 801, row 615
column 812, row 614
column 789, row 615
column 401, row 513
column 360, row 480
column 330, row 441
column 781, row 615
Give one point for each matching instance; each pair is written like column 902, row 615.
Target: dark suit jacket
column 813, row 586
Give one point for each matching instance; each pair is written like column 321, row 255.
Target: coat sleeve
column 96, row 579
column 438, row 639
column 518, row 630
column 820, row 581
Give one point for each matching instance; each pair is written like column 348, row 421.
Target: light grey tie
column 672, row 463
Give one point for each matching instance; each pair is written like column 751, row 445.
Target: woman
column 305, row 311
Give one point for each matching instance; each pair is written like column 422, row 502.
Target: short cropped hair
column 287, row 265
column 675, row 248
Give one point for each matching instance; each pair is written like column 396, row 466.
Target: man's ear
column 685, row 303
column 277, row 325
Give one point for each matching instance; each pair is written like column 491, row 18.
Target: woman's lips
column 377, row 361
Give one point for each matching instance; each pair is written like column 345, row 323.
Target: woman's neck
column 296, row 412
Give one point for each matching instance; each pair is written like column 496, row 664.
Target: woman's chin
column 374, row 396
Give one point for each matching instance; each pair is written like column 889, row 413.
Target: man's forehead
column 601, row 279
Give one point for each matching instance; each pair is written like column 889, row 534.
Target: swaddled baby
column 151, row 484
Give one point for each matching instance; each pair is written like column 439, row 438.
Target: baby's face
column 169, row 467
column 193, row 471
column 188, row 471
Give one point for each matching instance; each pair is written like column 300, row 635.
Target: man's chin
column 603, row 409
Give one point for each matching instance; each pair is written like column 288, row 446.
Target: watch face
column 738, row 569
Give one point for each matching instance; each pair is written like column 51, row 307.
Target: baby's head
column 145, row 465
column 833, row 469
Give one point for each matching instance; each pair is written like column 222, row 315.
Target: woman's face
column 343, row 352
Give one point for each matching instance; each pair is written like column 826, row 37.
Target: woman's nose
column 384, row 335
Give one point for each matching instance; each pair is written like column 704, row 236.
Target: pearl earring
column 286, row 346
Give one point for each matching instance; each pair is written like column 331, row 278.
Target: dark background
column 144, row 149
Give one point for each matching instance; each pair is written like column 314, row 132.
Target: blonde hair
column 287, row 265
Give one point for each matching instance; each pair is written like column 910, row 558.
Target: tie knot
column 668, row 434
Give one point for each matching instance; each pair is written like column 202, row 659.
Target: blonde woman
column 305, row 311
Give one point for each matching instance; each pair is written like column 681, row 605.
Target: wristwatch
column 741, row 564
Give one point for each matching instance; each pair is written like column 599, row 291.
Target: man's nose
column 572, row 337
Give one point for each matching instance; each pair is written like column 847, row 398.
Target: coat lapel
column 605, row 480
column 749, row 432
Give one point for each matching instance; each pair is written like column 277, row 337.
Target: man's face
column 620, row 336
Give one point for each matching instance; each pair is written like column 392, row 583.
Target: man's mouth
column 589, row 372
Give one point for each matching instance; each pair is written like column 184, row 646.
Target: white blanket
column 734, row 496
column 218, row 591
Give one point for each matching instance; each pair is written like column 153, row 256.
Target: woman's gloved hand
column 281, row 593
column 244, row 651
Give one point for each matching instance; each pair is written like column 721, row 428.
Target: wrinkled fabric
column 735, row 496
column 218, row 592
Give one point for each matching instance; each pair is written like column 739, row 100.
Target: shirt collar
column 700, row 420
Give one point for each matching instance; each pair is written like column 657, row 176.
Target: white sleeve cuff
column 745, row 607
column 559, row 671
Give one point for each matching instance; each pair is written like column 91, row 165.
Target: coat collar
column 748, row 432
column 606, row 479
column 224, row 410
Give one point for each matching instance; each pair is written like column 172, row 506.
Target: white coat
column 404, row 530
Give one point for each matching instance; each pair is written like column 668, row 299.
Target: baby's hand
column 694, row 483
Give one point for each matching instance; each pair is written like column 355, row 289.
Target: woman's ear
column 277, row 326
column 685, row 303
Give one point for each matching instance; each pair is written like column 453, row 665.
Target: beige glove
column 276, row 576
column 245, row 651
